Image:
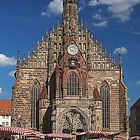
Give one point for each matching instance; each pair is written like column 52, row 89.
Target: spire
column 120, row 60
column 114, row 60
column 47, row 35
column 70, row 16
column 101, row 46
column 82, row 22
column 38, row 44
column 24, row 58
column 18, row 59
column 28, row 53
column 53, row 29
column 86, row 27
column 120, row 66
column 42, row 38
column 58, row 23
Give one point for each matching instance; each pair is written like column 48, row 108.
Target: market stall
column 100, row 135
column 20, row 132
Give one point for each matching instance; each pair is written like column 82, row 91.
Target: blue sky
column 114, row 22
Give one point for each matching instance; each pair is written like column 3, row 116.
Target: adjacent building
column 135, row 118
column 69, row 83
column 5, row 112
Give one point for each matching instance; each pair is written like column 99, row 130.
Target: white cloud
column 6, row 61
column 82, row 3
column 98, row 17
column 121, row 9
column 11, row 73
column 121, row 50
column 54, row 7
column 1, row 90
column 93, row 3
column 135, row 33
column 100, row 24
column 138, row 82
column 80, row 8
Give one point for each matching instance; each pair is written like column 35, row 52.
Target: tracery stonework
column 69, row 83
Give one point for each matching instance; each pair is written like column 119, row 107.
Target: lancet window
column 105, row 105
column 73, row 84
column 35, row 104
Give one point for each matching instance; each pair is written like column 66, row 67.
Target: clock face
column 72, row 49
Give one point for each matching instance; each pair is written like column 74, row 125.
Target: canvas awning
column 134, row 138
column 58, row 135
column 20, row 131
column 119, row 137
column 96, row 134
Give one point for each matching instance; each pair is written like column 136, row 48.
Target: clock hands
column 72, row 49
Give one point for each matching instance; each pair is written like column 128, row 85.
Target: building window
column 35, row 105
column 84, row 84
column 3, row 123
column 73, row 84
column 7, row 123
column 3, row 117
column 105, row 105
column 7, row 117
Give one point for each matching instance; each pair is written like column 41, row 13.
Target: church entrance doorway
column 79, row 137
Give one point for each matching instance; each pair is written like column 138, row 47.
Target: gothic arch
column 35, row 94
column 104, row 92
column 73, row 119
column 105, row 83
column 84, row 83
column 75, row 71
column 33, row 81
column 72, row 83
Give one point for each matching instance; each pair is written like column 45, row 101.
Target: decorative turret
column 114, row 60
column 53, row 29
column 18, row 58
column 120, row 66
column 58, row 23
column 24, row 59
column 43, row 105
column 70, row 19
column 97, row 110
column 28, row 53
column 96, row 95
column 44, row 93
column 17, row 73
column 82, row 24
column 105, row 50
column 86, row 27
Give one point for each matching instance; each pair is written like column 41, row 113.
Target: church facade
column 69, row 83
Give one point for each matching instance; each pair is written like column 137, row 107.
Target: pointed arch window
column 84, row 84
column 105, row 105
column 73, row 84
column 35, row 105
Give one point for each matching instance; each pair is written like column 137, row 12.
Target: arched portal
column 74, row 121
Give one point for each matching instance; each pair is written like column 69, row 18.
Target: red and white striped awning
column 79, row 133
column 20, row 131
column 134, row 138
column 119, row 137
column 58, row 135
column 96, row 133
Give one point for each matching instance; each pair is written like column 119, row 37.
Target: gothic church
column 69, row 83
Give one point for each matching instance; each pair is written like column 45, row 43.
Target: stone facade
column 54, row 87
column 134, row 119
